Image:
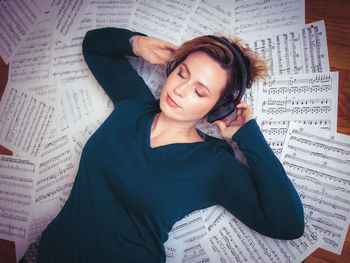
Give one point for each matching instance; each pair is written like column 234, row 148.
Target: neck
column 181, row 131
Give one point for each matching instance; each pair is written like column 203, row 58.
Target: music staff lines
column 319, row 145
column 314, row 136
column 303, row 195
column 324, row 221
column 318, row 182
column 320, row 193
column 315, row 164
column 326, row 213
column 329, row 233
column 309, row 152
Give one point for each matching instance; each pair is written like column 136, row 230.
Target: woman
column 147, row 166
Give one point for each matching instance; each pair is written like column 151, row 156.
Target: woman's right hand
column 153, row 50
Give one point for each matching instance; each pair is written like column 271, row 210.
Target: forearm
column 109, row 42
column 104, row 51
column 278, row 197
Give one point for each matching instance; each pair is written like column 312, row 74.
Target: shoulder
column 134, row 108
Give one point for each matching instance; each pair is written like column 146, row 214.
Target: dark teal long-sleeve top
column 127, row 195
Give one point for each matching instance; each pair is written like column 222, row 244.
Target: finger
column 221, row 124
column 170, row 46
column 241, row 104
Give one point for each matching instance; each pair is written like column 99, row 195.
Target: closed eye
column 198, row 94
column 180, row 75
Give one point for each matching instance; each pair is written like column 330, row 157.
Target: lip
column 171, row 102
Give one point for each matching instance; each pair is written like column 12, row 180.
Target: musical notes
column 25, row 120
column 69, row 13
column 310, row 99
column 16, row 187
column 16, row 20
column 318, row 165
column 294, row 51
column 232, row 241
column 68, row 62
column 208, row 18
column 32, row 61
column 184, row 238
column 256, row 17
column 56, row 170
column 162, row 19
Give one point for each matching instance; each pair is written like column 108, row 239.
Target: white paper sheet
column 256, row 16
column 231, row 241
column 69, row 14
column 17, row 177
column 164, row 19
column 32, row 60
column 209, row 17
column 295, row 50
column 79, row 104
column 56, row 170
column 114, row 13
column 24, row 121
column 16, row 20
column 317, row 162
column 183, row 243
column 68, row 61
column 308, row 98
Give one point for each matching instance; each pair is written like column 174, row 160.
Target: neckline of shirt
column 175, row 144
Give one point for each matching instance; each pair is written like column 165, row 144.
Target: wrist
column 133, row 43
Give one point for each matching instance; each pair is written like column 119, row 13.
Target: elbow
column 292, row 229
column 296, row 231
column 90, row 39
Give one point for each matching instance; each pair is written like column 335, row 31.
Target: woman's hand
column 229, row 127
column 153, row 50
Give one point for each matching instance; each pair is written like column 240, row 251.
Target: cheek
column 200, row 107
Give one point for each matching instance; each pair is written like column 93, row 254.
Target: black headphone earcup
column 221, row 112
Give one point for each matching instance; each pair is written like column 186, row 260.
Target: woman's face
column 193, row 88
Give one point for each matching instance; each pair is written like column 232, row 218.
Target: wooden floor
column 336, row 14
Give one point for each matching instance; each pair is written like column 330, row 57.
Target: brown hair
column 222, row 54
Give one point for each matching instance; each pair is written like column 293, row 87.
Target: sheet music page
column 80, row 138
column 255, row 17
column 164, row 19
column 42, row 215
column 114, row 13
column 311, row 99
column 56, row 170
column 24, row 120
column 69, row 14
column 32, row 60
column 68, row 61
column 232, row 241
column 16, row 20
column 143, row 68
column 183, row 243
column 79, row 104
column 209, row 18
column 17, row 177
column 297, row 50
column 317, row 162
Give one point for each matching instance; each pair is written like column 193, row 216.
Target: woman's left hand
column 153, row 50
column 229, row 127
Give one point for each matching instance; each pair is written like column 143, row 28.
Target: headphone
column 228, row 105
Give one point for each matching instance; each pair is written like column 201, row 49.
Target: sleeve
column 261, row 195
column 104, row 51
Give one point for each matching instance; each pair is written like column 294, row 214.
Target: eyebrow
column 200, row 83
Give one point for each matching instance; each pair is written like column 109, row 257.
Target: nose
column 182, row 89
